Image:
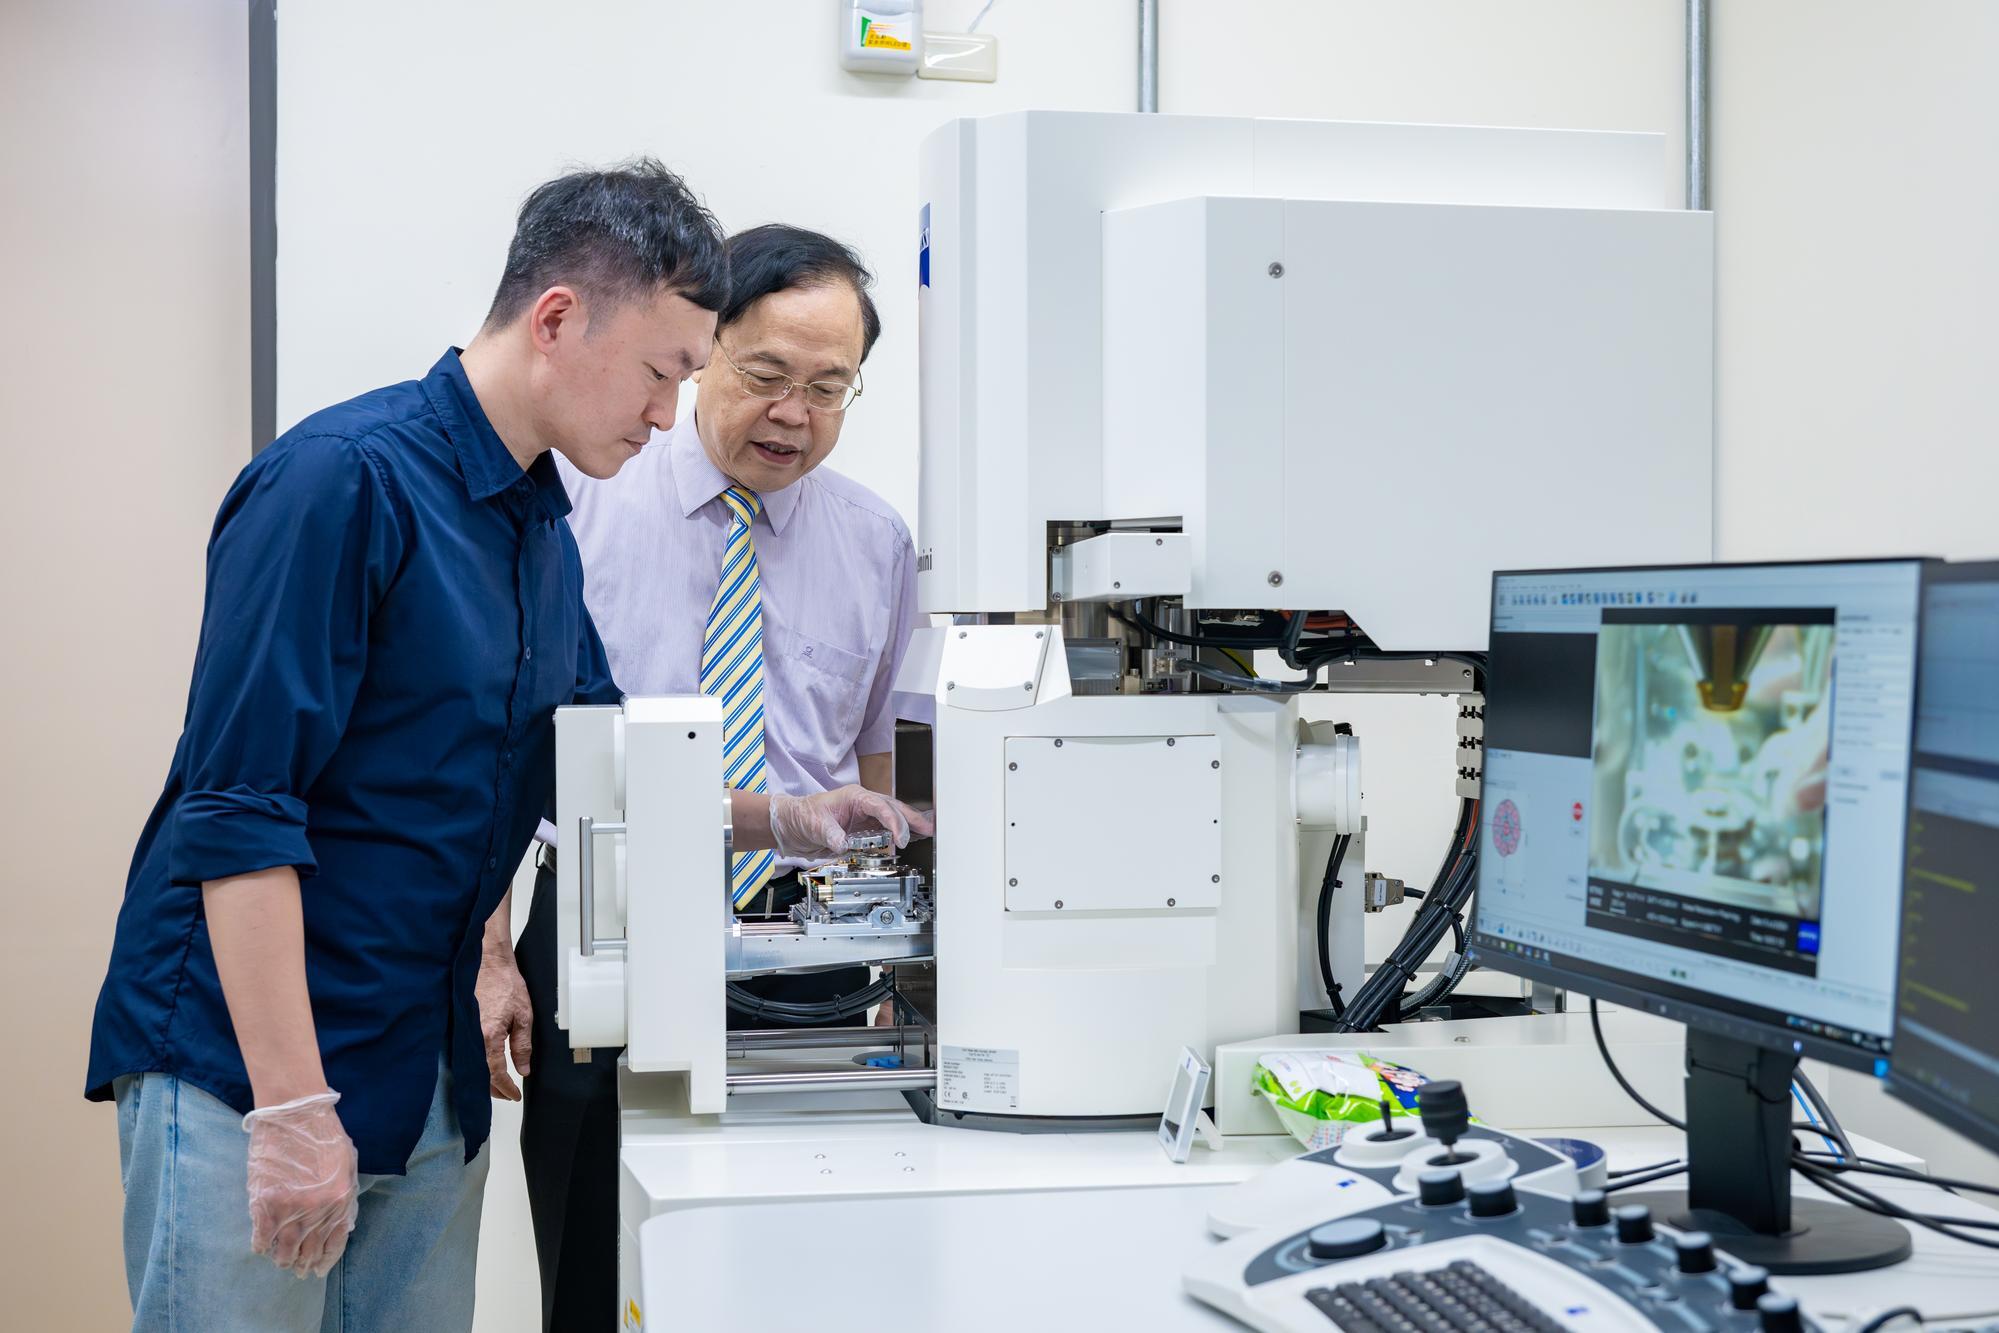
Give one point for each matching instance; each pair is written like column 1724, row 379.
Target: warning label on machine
column 978, row 1078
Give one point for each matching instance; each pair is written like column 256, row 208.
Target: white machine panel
column 1505, row 387
column 1012, row 311
column 1157, row 845
column 676, row 892
column 1119, row 566
column 589, row 781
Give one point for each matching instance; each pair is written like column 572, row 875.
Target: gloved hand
column 305, row 1190
column 818, row 826
column 506, row 1018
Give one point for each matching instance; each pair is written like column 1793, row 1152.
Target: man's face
column 806, row 333
column 611, row 378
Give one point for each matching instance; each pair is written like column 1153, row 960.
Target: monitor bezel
column 1641, row 993
column 1912, row 1092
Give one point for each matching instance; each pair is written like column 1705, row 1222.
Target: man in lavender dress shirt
column 838, row 578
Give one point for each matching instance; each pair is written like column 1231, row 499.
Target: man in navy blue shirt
column 394, row 610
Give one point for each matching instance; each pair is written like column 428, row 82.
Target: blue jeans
column 183, row 1154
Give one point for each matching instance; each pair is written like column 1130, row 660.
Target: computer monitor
column 1695, row 788
column 1946, row 1050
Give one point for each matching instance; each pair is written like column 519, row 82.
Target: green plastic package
column 1322, row 1096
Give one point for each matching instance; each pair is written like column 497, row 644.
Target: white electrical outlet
column 970, row 57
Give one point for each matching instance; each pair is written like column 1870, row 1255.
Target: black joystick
column 1634, row 1224
column 1591, row 1208
column 1446, row 1117
column 1746, row 1286
column 1694, row 1252
column 1779, row 1314
column 1438, row 1188
column 1388, row 1133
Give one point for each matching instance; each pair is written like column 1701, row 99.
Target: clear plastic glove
column 305, row 1188
column 506, row 1019
column 816, row 827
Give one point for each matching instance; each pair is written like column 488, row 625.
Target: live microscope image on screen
column 1708, row 771
column 1696, row 782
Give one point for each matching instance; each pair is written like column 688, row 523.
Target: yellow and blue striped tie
column 732, row 670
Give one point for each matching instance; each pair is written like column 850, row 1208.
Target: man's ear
column 556, row 314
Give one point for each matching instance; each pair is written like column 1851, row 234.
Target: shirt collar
column 484, row 464
column 699, row 481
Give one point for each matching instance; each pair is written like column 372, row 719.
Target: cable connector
column 1471, row 745
column 1379, row 892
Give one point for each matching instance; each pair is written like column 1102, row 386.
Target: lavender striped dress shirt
column 839, row 597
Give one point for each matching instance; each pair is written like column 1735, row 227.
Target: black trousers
column 569, row 1128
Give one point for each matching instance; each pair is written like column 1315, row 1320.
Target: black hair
column 614, row 235
column 776, row 258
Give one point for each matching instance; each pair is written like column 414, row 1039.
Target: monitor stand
column 1739, row 1181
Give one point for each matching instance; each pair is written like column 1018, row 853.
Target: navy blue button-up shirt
column 394, row 611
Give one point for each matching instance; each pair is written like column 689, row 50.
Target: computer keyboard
column 1460, row 1297
column 1490, row 1258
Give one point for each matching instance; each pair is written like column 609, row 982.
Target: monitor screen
column 1946, row 1059
column 1695, row 788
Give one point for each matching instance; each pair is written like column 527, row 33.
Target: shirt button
column 508, row 756
column 492, row 863
column 527, row 654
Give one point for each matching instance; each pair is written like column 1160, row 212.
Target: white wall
column 415, row 153
column 1856, row 188
column 1853, row 145
column 1856, row 191
column 124, row 411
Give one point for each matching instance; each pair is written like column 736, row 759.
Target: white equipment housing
column 1114, row 896
column 1492, row 346
column 651, row 981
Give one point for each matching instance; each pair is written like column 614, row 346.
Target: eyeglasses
column 820, row 395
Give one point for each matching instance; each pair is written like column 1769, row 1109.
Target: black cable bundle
column 1441, row 911
column 793, row 1014
column 1327, row 885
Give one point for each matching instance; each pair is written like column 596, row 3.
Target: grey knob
column 1346, row 1238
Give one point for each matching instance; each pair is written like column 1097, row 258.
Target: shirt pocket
column 832, row 690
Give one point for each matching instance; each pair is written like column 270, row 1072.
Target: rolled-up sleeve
column 878, row 723
column 304, row 546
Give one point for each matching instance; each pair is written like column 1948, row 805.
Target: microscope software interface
column 1946, row 1051
column 1698, row 784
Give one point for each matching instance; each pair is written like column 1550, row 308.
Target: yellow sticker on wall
column 633, row 1319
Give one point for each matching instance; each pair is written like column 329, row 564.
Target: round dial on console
column 1634, row 1224
column 1345, row 1238
column 1694, row 1252
column 1493, row 1198
column 1591, row 1208
column 1779, row 1314
column 1438, row 1188
column 1746, row 1286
